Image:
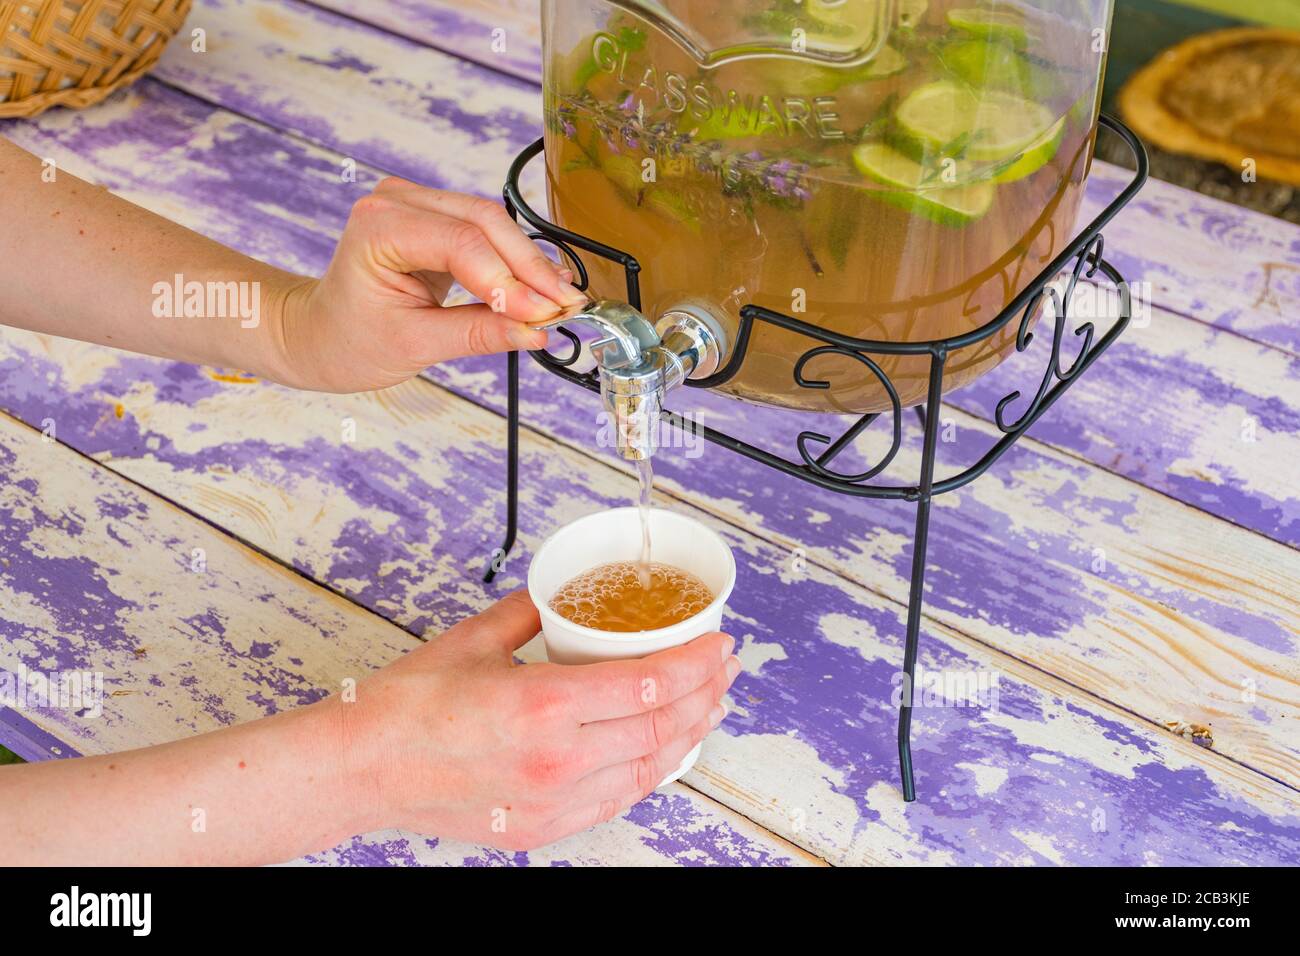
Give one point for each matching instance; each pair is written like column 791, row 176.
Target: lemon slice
column 949, row 205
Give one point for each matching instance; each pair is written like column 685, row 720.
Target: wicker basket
column 77, row 52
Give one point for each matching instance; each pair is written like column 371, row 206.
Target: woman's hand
column 376, row 317
column 455, row 740
column 452, row 740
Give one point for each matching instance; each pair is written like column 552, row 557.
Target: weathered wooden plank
column 398, row 519
column 1204, row 416
column 1218, row 263
column 27, row 739
column 192, row 631
column 463, row 28
column 984, row 778
column 1037, row 520
column 333, row 74
column 1181, row 367
column 1086, row 575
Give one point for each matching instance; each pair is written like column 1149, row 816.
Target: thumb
column 504, row 627
column 474, row 329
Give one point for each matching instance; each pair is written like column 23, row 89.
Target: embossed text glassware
column 887, row 169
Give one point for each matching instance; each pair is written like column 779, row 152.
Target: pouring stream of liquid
column 646, row 474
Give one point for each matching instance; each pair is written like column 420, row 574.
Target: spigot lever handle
column 625, row 334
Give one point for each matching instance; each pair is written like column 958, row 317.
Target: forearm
column 262, row 792
column 77, row 261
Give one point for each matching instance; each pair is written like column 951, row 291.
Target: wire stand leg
column 498, row 559
column 916, row 593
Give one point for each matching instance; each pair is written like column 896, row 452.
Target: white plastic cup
column 615, row 535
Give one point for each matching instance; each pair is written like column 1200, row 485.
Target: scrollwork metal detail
column 833, row 448
column 1081, row 258
column 544, row 356
column 1089, row 256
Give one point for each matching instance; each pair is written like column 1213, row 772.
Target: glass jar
column 887, row 169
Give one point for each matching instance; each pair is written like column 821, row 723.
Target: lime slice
column 950, row 205
column 885, row 63
column 625, row 172
column 942, row 116
column 986, row 65
column 1036, row 156
column 937, row 113
column 887, row 165
column 1006, row 125
column 991, row 24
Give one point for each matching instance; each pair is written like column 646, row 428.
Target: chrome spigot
column 639, row 362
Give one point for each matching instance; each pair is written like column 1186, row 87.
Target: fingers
column 503, row 628
column 622, row 688
column 472, row 329
column 407, row 239
column 607, row 793
column 585, row 818
column 438, row 283
column 626, row 738
column 521, row 254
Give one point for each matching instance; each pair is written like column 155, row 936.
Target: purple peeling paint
column 464, row 31
column 1083, row 423
column 1221, row 264
column 27, row 740
column 674, row 828
column 826, row 695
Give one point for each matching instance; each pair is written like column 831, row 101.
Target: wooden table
column 1132, row 562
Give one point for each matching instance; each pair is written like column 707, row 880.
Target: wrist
column 352, row 767
column 284, row 314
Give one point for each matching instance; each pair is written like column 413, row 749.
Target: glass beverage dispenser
column 887, row 169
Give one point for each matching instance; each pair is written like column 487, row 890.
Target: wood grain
column 374, row 106
column 463, row 29
column 192, row 631
column 396, row 519
column 812, row 748
column 1036, row 526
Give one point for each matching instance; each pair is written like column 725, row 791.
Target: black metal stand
column 1086, row 253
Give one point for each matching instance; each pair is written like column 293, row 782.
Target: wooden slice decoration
column 1231, row 96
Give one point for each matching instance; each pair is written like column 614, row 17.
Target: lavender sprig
column 777, row 180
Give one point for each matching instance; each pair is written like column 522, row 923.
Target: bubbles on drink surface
column 610, row 597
